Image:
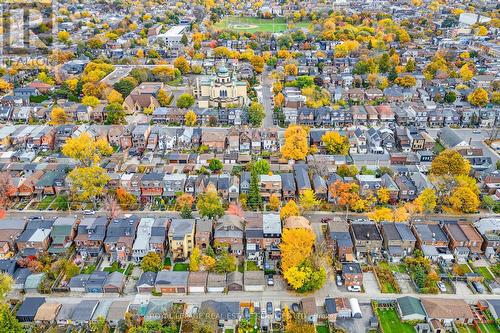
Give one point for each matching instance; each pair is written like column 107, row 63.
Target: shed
column 33, row 281
column 47, row 313
column 254, row 281
column 27, row 311
column 146, row 282
column 65, row 314
column 170, row 282
column 216, row 283
column 234, row 281
column 84, row 311
column 197, row 282
column 410, row 308
column 355, row 308
column 116, row 312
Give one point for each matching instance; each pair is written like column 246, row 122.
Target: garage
column 171, row 282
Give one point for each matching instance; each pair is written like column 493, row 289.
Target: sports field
column 256, row 24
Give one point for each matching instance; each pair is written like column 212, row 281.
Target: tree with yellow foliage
column 190, row 118
column 478, row 97
column 289, row 209
column 466, row 73
column 383, row 195
column 72, row 84
column 406, row 81
column 426, row 201
column 58, row 116
column 464, row 200
column 274, row 202
column 482, row 31
column 449, row 162
column 87, row 183
column 291, row 69
column 184, row 200
column 90, row 101
column 296, row 143
column 380, row 214
column 257, row 63
column 182, row 64
column 308, row 200
column 86, row 150
column 115, row 97
column 4, row 85
column 295, row 277
column 296, row 245
column 63, row 36
column 400, row 214
column 335, row 143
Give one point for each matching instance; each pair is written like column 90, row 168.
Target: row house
column 35, row 238
column 489, row 229
column 399, row 240
column 10, row 230
column 367, row 240
column 151, row 235
column 339, row 239
column 62, row 234
column 270, row 185
column 90, row 236
column 181, row 238
column 432, row 241
column 463, row 238
column 120, row 237
column 151, row 185
column 229, row 232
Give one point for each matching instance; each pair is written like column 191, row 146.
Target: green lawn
column 88, row 269
column 252, row 266
column 390, row 322
column 466, row 329
column 495, row 269
column 322, row 329
column 60, row 203
column 466, row 268
column 485, row 273
column 255, row 24
column 115, row 267
column 45, row 203
column 489, row 328
column 181, row 266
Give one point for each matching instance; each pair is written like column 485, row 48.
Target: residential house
column 444, row 312
column 432, row 241
column 114, row 283
column 120, row 237
column 173, row 184
column 181, row 237
column 352, row 274
column 489, row 228
column 228, row 313
column 35, row 238
column 146, row 283
column 270, row 185
column 309, row 309
column 151, row 185
column 410, row 308
column 90, row 236
column 62, row 234
column 367, row 239
column 229, row 230
column 10, row 230
column 271, row 230
column 399, row 241
column 289, row 188
column 339, row 238
column 300, row 172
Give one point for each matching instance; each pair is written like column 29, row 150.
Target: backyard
column 255, row 24
column 181, row 267
column 390, row 322
column 484, row 271
column 489, row 328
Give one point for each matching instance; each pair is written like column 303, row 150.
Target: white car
column 263, row 313
column 339, row 280
column 88, row 212
column 354, row 288
column 441, row 286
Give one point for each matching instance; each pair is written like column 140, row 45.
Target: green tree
column 125, row 85
column 254, row 197
column 261, row 167
column 99, row 326
column 185, row 101
column 450, row 97
column 256, row 113
column 225, row 263
column 116, row 114
column 151, row 262
column 215, row 165
column 9, row 323
column 5, row 286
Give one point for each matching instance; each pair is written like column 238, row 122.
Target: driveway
column 404, row 282
column 357, row 325
column 370, row 284
column 462, row 289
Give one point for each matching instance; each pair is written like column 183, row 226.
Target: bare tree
column 111, row 206
column 6, row 189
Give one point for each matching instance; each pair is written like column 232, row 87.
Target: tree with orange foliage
column 184, row 200
column 236, row 210
column 7, row 190
column 127, row 200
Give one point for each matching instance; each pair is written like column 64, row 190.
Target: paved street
column 266, row 99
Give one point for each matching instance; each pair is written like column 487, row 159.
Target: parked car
column 354, row 288
column 295, row 307
column 269, row 307
column 246, row 313
column 441, row 286
column 476, row 131
column 270, row 280
column 277, row 314
column 479, row 288
column 339, row 280
column 88, row 212
column 263, row 313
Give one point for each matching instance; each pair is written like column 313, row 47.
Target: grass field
column 488, row 328
column 485, row 273
column 256, row 24
column 181, row 267
column 390, row 322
